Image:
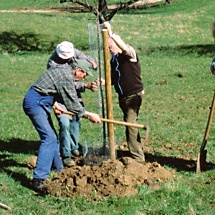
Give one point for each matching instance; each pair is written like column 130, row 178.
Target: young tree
column 101, row 9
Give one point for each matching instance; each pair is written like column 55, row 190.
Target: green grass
column 22, row 4
column 171, row 40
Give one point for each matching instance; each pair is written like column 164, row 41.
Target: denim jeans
column 130, row 106
column 69, row 135
column 37, row 107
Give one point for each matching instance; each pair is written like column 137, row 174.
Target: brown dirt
column 111, row 178
column 98, row 177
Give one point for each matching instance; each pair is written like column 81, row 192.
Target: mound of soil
column 110, row 177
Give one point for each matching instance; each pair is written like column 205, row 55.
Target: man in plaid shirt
column 37, row 104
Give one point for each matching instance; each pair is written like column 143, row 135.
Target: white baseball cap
column 65, row 50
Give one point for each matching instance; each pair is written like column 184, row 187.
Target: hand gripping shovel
column 201, row 159
column 145, row 127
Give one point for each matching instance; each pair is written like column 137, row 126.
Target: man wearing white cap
column 64, row 53
column 70, row 125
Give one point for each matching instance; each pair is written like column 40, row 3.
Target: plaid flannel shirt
column 59, row 82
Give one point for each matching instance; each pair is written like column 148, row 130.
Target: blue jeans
column 69, row 135
column 37, row 107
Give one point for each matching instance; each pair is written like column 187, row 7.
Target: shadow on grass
column 16, row 146
column 179, row 164
column 198, row 49
column 20, row 177
column 13, row 42
column 6, row 162
column 19, row 146
column 22, row 146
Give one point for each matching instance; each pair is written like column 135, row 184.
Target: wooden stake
column 109, row 105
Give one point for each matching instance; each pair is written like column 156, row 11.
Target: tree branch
column 102, row 11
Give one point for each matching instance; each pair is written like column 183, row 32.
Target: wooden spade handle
column 145, row 127
column 124, row 123
column 210, row 117
column 115, row 121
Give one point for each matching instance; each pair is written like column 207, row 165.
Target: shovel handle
column 145, row 127
column 123, row 123
column 201, row 158
column 115, row 121
column 210, row 117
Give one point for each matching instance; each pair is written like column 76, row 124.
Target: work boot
column 76, row 153
column 140, row 159
column 38, row 184
column 68, row 162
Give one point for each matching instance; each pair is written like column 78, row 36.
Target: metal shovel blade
column 201, row 161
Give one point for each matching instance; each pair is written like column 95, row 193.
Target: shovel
column 201, row 159
column 145, row 127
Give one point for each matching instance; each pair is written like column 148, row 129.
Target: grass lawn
column 175, row 47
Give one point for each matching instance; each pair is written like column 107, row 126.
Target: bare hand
column 92, row 86
column 94, row 64
column 57, row 109
column 94, row 117
column 108, row 26
column 100, row 81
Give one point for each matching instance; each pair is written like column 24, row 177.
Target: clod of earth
column 109, row 178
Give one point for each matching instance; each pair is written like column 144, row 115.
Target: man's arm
column 80, row 55
column 116, row 38
column 125, row 48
